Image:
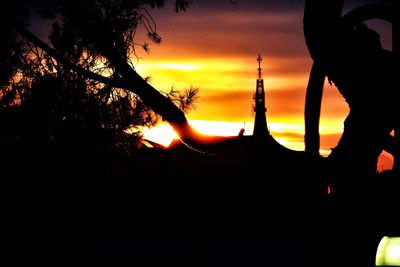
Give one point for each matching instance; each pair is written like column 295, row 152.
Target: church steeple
column 260, row 121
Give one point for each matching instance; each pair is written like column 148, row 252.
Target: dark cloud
column 259, row 6
column 233, row 31
column 249, row 5
column 247, row 27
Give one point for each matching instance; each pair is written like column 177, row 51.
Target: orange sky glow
column 216, row 52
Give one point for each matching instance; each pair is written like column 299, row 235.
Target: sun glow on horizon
column 162, row 134
column 286, row 134
column 290, row 135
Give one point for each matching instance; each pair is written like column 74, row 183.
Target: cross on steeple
column 259, row 59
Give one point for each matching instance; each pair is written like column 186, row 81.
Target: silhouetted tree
column 78, row 93
column 98, row 32
column 76, row 46
column 350, row 54
column 353, row 59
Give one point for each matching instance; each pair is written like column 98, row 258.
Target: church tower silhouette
column 260, row 121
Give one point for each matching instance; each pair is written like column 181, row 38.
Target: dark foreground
column 179, row 208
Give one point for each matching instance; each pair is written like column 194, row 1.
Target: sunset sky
column 214, row 46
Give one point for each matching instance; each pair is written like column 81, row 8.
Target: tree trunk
column 320, row 21
column 312, row 110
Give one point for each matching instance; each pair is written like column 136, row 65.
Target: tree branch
column 132, row 82
column 49, row 50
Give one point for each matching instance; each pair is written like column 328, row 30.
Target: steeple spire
column 260, row 121
column 259, row 59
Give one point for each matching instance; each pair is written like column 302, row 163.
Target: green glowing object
column 388, row 253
